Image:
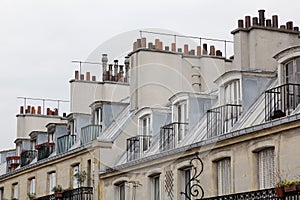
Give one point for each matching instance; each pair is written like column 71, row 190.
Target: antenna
column 77, row 61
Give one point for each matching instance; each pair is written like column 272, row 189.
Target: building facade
column 181, row 121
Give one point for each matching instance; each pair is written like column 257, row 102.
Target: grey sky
column 40, row 38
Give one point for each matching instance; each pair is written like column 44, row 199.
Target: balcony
column 12, row 163
column 82, row 193
column 268, row 194
column 171, row 133
column 27, row 156
column 281, row 101
column 64, row 143
column 221, row 119
column 90, row 133
column 44, row 150
column 137, row 145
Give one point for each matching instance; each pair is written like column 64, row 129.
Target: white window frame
column 98, row 116
column 145, row 130
column 75, row 170
column 1, row 193
column 155, row 187
column 224, row 184
column 185, row 175
column 294, row 76
column 32, row 186
column 121, row 191
column 15, row 191
column 52, row 181
column 232, row 92
column 266, row 168
column 181, row 115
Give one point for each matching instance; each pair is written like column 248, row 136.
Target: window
column 232, row 92
column 15, row 192
column 89, row 173
column 1, row 193
column 224, row 176
column 51, row 181
column 31, row 185
column 155, row 190
column 185, row 181
column 71, row 127
column 292, row 71
column 98, row 116
column 121, row 191
column 145, row 132
column 266, row 169
column 181, row 116
column 75, row 170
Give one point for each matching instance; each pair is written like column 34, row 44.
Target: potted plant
column 279, row 189
column 80, row 176
column 31, row 195
column 57, row 191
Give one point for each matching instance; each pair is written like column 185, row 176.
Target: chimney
column 247, row 21
column 192, row 52
column 261, row 17
column 121, row 74
column 198, row 50
column 134, row 46
column 179, row 50
column 167, row 48
column 48, row 111
column 76, row 75
column 93, row 78
column 268, row 23
column 255, row 21
column 110, row 72
column 156, row 43
column 39, row 111
column 186, row 49
column 212, row 50
column 218, row 53
column 173, row 47
column 88, row 76
column 160, row 46
column 33, row 110
column 296, row 28
column 64, row 114
column 55, row 111
column 104, row 66
column 28, row 109
column 204, row 49
column 116, row 65
column 240, row 23
column 282, row 27
column 289, row 25
column 126, row 62
column 275, row 21
column 139, row 43
column 21, row 110
column 144, row 42
column 81, row 76
column 150, row 45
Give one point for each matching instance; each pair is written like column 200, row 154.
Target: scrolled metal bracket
column 193, row 187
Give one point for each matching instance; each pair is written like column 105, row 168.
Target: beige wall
column 241, row 150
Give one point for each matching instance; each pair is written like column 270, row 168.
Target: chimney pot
column 296, row 28
column 21, row 110
column 179, row 50
column 134, row 46
column 93, row 78
column 64, row 114
column 39, row 111
column 247, row 21
column 150, row 45
column 156, row 43
column 173, row 47
column 275, row 21
column 139, row 43
column 33, row 110
column 282, row 27
column 144, row 42
column 28, row 109
column 204, row 49
column 192, row 52
column 240, row 23
column 88, row 76
column 167, row 48
column 212, row 50
column 261, row 17
column 218, row 53
column 81, row 76
column 198, row 50
column 76, row 75
column 186, row 49
column 289, row 25
column 268, row 23
column 255, row 21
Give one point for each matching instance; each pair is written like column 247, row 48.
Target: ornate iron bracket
column 193, row 187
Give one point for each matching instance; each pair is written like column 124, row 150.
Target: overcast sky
column 40, row 38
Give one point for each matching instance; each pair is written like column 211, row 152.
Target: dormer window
column 97, row 117
column 232, row 92
column 292, row 71
column 145, row 131
column 181, row 119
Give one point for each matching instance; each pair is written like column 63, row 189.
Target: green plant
column 80, row 176
column 57, row 188
column 31, row 195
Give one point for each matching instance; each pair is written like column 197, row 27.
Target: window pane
column 122, row 191
column 75, row 171
column 187, row 178
column 266, row 168
column 224, row 176
column 156, row 188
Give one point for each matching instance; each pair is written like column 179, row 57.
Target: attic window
column 292, row 71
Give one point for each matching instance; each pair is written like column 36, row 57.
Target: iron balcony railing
column 82, row 193
column 44, row 150
column 221, row 119
column 137, row 145
column 90, row 133
column 268, row 194
column 171, row 133
column 64, row 143
column 12, row 162
column 27, row 156
column 281, row 101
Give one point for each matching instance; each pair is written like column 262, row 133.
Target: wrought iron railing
column 27, row 156
column 82, row 193
column 44, row 150
column 64, row 143
column 222, row 118
column 137, row 145
column 281, row 101
column 171, row 133
column 90, row 133
column 268, row 194
column 12, row 162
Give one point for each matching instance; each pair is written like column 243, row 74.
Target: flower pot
column 58, row 195
column 279, row 191
column 290, row 188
